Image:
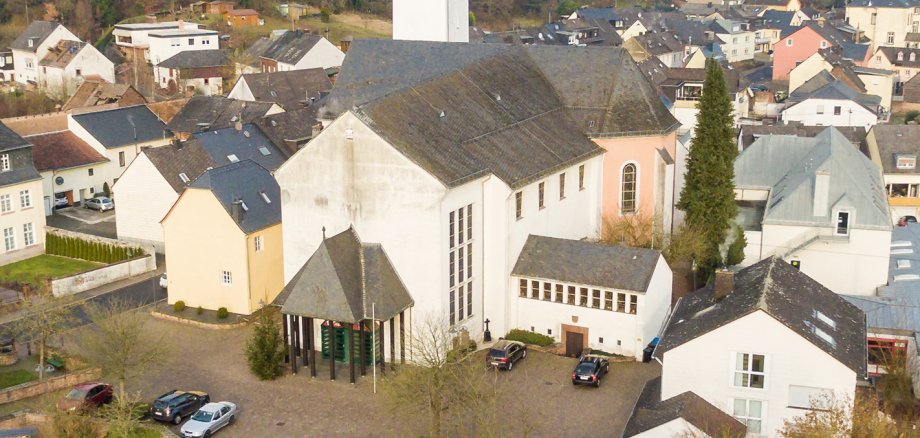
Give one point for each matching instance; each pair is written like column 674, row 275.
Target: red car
column 86, row 395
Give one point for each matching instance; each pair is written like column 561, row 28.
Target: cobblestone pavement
column 539, row 393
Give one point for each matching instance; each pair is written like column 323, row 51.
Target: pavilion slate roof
column 601, row 87
column 482, row 119
column 591, row 263
column 786, row 294
column 651, row 412
column 342, row 280
column 249, row 183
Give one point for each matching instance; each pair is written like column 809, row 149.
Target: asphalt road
column 135, row 295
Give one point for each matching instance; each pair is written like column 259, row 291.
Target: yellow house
column 223, row 240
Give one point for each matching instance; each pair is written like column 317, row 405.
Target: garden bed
column 36, row 269
column 205, row 319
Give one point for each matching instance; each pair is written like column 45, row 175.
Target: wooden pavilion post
column 312, row 347
column 293, row 345
column 287, row 340
column 402, row 337
column 351, row 353
column 362, row 338
column 383, row 353
column 331, row 350
column 392, row 341
column 305, row 342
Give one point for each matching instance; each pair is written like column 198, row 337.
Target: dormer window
column 913, row 57
column 900, row 56
column 4, row 162
column 842, row 227
column 823, row 44
column 907, row 162
column 31, row 42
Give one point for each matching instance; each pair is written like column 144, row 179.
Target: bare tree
column 444, row 384
column 639, row 230
column 119, row 342
column 45, row 316
column 843, row 417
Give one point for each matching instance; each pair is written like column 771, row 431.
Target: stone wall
column 31, row 389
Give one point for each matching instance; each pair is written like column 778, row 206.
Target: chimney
column 822, row 191
column 316, row 130
column 725, row 283
column 236, row 211
column 238, row 125
column 820, row 21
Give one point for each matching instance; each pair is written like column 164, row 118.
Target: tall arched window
column 628, row 189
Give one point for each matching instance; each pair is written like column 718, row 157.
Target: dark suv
column 505, row 353
column 590, row 370
column 175, row 405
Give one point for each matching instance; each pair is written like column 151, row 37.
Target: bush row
column 77, row 248
column 528, row 337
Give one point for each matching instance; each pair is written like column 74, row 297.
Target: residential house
column 155, row 180
column 242, row 18
column 572, row 32
column 884, row 22
column 119, row 135
column 223, row 240
column 873, row 81
column 133, row 41
column 22, row 220
column 635, row 128
column 219, row 7
column 911, row 90
column 618, row 295
column 776, row 5
column 683, row 87
column 251, row 61
column 208, row 113
column 902, row 60
column 685, row 414
column 70, row 168
column 427, row 20
column 825, row 101
column 298, row 50
column 194, row 72
column 772, row 25
column 797, row 45
column 737, row 39
column 664, row 46
column 97, row 93
column 67, row 63
column 291, row 130
column 894, row 149
column 31, row 46
column 164, row 44
column 293, row 10
column 743, row 345
column 289, row 89
column 817, row 203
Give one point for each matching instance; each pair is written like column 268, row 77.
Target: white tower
column 431, row 20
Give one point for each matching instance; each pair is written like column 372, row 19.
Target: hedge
column 94, row 251
column 530, row 338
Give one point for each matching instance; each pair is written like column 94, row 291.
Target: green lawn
column 16, row 377
column 29, row 270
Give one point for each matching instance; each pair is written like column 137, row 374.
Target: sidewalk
column 82, row 297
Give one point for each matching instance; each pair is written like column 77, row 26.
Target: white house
column 164, row 44
column 764, row 345
column 817, row 203
column 431, row 20
column 197, row 71
column 119, row 135
column 894, row 149
column 737, row 39
column 453, row 213
column 67, row 63
column 683, row 87
column 134, row 36
column 618, row 295
column 825, row 101
column 70, row 168
column 22, row 219
column 31, row 46
column 298, row 50
column 867, row 80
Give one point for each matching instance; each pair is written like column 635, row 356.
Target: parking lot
column 539, row 392
column 84, row 220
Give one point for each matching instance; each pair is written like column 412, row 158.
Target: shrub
column 530, row 338
column 199, row 310
column 179, row 306
column 911, row 116
column 222, row 313
column 265, row 349
column 106, row 189
column 324, row 14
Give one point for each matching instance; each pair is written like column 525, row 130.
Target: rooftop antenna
column 324, row 233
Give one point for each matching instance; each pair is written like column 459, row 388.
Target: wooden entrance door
column 574, row 343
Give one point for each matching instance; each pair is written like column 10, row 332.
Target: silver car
column 101, row 203
column 209, row 419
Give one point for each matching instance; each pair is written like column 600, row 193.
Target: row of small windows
column 541, row 192
column 579, row 296
column 6, row 201
column 9, row 236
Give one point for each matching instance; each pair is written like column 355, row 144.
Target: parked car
column 590, row 369
column 163, row 282
column 101, row 203
column 209, row 419
column 86, row 395
column 505, row 353
column 904, row 220
column 175, row 405
column 61, row 202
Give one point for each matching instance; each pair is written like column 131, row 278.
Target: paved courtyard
column 84, row 220
column 539, row 392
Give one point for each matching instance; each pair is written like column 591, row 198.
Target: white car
column 163, row 282
column 209, row 419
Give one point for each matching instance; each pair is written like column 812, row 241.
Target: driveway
column 84, row 220
column 539, row 392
